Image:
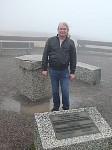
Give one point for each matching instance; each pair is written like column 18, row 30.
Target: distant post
column 29, row 49
column 0, row 48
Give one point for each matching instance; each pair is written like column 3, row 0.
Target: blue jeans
column 62, row 78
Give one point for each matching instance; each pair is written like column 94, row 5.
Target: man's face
column 62, row 31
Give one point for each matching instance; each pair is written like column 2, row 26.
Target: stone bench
column 88, row 73
column 31, row 82
column 17, row 42
column 75, row 129
column 27, row 46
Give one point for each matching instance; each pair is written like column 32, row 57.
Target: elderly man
column 59, row 53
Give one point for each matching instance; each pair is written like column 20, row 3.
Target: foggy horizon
column 86, row 19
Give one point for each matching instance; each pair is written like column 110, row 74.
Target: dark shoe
column 55, row 109
column 65, row 108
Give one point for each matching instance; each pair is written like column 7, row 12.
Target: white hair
column 66, row 25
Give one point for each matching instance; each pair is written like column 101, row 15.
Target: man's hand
column 72, row 77
column 45, row 73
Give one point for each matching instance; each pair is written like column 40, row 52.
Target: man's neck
column 61, row 38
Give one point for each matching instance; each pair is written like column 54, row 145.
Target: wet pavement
column 17, row 112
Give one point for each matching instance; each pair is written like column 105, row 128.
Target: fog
column 87, row 19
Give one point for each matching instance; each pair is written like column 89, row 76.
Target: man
column 59, row 52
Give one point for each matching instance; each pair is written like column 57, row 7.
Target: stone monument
column 75, row 129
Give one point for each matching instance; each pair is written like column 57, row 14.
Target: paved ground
column 16, row 112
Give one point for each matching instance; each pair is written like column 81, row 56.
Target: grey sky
column 86, row 18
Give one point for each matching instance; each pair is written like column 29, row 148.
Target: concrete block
column 31, row 83
column 88, row 73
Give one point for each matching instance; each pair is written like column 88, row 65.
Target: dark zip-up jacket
column 59, row 57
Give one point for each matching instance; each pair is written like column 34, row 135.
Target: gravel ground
column 16, row 129
column 16, row 126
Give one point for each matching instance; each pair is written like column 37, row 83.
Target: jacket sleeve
column 45, row 56
column 73, row 57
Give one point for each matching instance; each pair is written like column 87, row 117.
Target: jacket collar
column 58, row 37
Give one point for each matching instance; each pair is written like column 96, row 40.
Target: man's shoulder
column 53, row 37
column 71, row 41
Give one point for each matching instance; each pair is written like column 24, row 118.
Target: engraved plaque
column 68, row 125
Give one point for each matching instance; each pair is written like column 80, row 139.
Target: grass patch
column 32, row 147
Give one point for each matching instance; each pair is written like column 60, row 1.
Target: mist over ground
column 87, row 19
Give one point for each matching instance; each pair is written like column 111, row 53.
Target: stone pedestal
column 32, row 84
column 75, row 129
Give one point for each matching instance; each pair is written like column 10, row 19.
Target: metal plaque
column 68, row 125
